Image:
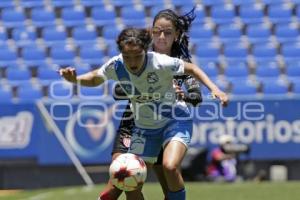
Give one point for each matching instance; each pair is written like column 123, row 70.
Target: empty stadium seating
column 232, row 40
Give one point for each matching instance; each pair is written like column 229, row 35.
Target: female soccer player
column 169, row 37
column 160, row 119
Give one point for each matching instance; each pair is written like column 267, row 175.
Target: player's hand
column 69, row 74
column 179, row 92
column 221, row 96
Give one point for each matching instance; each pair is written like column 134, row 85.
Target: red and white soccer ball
column 128, row 172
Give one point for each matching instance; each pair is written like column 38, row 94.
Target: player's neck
column 163, row 51
column 141, row 69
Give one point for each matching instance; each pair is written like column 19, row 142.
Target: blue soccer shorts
column 147, row 143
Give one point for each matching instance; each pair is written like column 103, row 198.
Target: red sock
column 105, row 196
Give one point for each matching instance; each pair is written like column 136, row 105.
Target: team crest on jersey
column 152, row 77
column 176, row 65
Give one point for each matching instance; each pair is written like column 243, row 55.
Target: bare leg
column 158, row 169
column 173, row 156
column 137, row 194
column 110, row 192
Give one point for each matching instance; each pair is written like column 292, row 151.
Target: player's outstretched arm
column 90, row 79
column 200, row 75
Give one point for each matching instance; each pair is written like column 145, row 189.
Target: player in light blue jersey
column 160, row 119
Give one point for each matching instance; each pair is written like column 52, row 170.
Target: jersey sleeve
column 107, row 70
column 191, row 84
column 193, row 88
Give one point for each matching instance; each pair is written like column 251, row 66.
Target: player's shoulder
column 113, row 61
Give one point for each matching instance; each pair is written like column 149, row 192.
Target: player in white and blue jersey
column 160, row 119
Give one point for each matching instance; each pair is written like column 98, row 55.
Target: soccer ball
column 128, row 172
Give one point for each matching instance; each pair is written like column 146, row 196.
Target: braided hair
column 182, row 24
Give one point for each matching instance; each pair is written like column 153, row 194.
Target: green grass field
column 195, row 191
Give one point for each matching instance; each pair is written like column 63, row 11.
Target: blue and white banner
column 270, row 127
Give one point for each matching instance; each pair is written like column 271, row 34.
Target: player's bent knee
column 169, row 167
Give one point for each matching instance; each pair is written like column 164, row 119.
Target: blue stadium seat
column 31, row 3
column 84, row 34
column 112, row 50
column 209, row 53
column 62, row 3
column 3, row 36
column 6, row 95
column 29, row 94
column 13, row 18
column 133, row 17
column 237, row 71
column 73, row 16
column 24, row 36
column 258, row 33
column 110, row 33
column 43, row 17
column 213, row 2
column 235, row 52
column 243, row 2
column 243, row 87
column 33, row 56
column 293, row 69
column 151, row 3
column 229, row 33
column 180, row 3
column 121, row 3
column 8, row 57
column 223, row 14
column 54, row 35
column 280, row 13
column 211, row 69
column 60, row 90
column 267, row 69
column 91, row 3
column 264, row 52
column 286, row 32
column 63, row 56
column 252, row 13
column 273, row 2
column 290, row 52
column 90, row 92
column 17, row 76
column 274, row 87
column 102, row 16
column 91, row 55
column 199, row 33
column 47, row 75
column 7, row 4
column 296, row 87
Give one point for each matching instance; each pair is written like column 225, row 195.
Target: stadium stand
column 13, row 18
column 41, row 17
column 230, row 39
